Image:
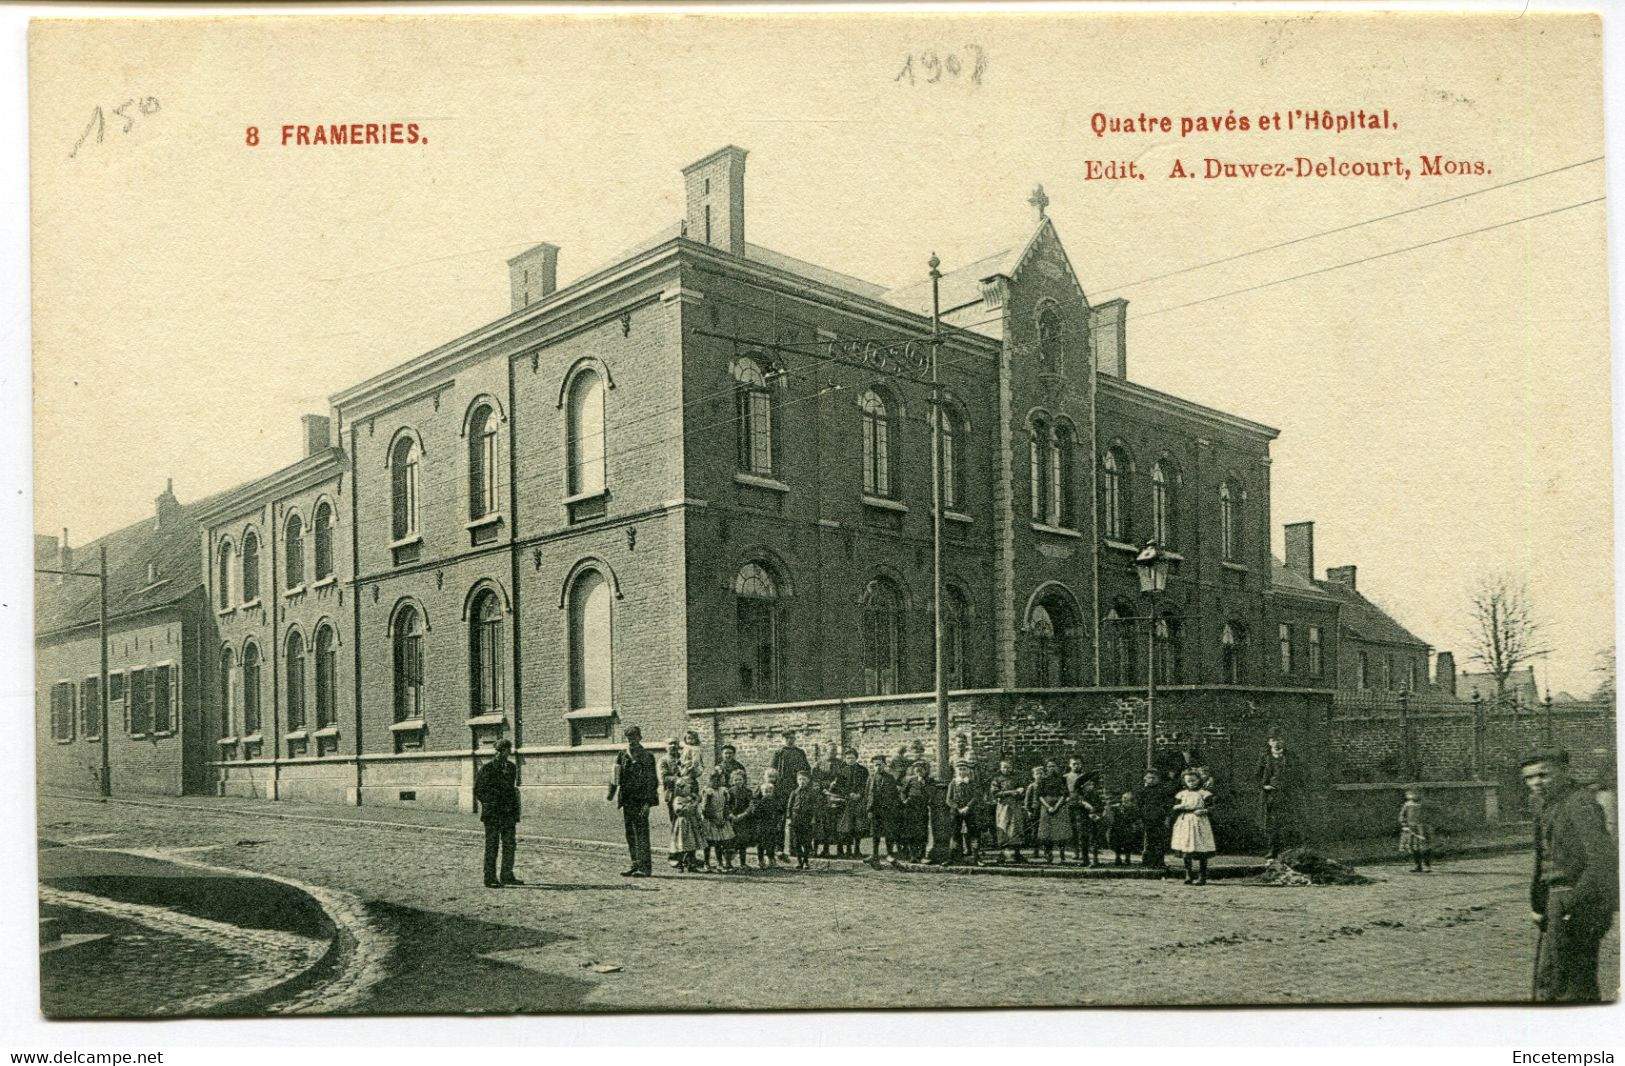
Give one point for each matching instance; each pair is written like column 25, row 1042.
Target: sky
column 1444, row 410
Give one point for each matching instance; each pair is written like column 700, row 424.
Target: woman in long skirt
column 1054, row 821
column 1009, row 811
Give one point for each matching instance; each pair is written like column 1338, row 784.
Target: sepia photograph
column 676, row 511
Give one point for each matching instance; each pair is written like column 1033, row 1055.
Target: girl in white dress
column 1193, row 830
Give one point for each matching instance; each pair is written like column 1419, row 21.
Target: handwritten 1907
column 934, row 68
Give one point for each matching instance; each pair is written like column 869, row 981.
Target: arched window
column 251, row 690
column 756, row 631
column 954, row 430
column 1169, row 650
column 251, row 567
column 228, row 703
column 1049, row 340
column 876, row 444
column 227, row 580
column 591, row 651
column 586, row 433
column 482, row 463
column 882, row 637
column 1114, row 493
column 321, row 531
column 293, row 556
column 955, row 616
column 1062, row 446
column 1230, row 500
column 1038, row 468
column 1054, row 636
column 403, row 478
column 753, row 414
column 408, row 649
column 1230, row 654
column 326, row 677
column 485, row 654
column 294, row 667
column 1118, row 666
column 1162, row 504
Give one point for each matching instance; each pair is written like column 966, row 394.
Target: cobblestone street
column 843, row 935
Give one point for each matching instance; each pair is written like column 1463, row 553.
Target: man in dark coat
column 789, row 761
column 496, row 790
column 636, row 787
column 1155, row 798
column 1575, row 889
column 883, row 803
column 851, row 784
column 1278, row 780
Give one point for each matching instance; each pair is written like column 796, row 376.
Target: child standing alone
column 1193, row 829
column 1413, row 831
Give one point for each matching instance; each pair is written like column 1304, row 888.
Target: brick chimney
column 1300, row 549
column 1444, row 672
column 534, row 274
column 318, row 430
column 64, row 557
column 715, row 191
column 167, row 506
column 1342, row 575
column 1107, row 323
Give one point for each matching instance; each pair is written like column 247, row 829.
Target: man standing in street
column 636, row 786
column 496, row 789
column 788, row 761
column 1277, row 777
column 1575, row 890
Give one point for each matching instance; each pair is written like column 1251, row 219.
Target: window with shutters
column 62, row 701
column 90, row 708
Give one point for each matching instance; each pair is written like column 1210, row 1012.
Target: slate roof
column 1365, row 620
column 1520, row 683
column 1288, row 580
column 176, row 547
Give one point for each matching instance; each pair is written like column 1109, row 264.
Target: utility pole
column 937, row 494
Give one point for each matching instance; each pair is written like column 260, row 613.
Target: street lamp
column 1152, row 564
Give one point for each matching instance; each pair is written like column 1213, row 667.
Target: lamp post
column 1152, row 564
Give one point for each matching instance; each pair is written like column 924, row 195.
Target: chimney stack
column 318, row 433
column 1300, row 549
column 1444, row 672
column 715, row 190
column 1342, row 575
column 1107, row 325
column 64, row 559
column 167, row 506
column 533, row 274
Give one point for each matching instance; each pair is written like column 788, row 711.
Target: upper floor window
column 1316, row 660
column 1119, row 654
column 1163, row 481
column 321, row 532
column 591, row 656
column 1049, row 340
column 1230, row 654
column 586, row 434
column 251, row 567
column 403, row 479
column 294, row 666
column 408, row 663
column 482, row 462
column 1061, row 449
column 293, row 555
column 753, row 414
column 1168, row 645
column 1284, row 634
column 326, row 676
column 756, row 632
column 1114, row 494
column 1230, row 500
column 226, row 579
column 485, row 654
column 1039, row 470
column 882, row 636
column 877, row 480
column 952, row 425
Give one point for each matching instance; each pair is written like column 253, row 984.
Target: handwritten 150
column 930, row 68
column 147, row 105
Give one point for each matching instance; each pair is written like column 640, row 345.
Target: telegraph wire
column 1344, row 229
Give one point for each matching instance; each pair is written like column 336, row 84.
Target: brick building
column 159, row 632
column 692, row 489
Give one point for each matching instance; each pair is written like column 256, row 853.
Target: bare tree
column 1604, row 669
column 1504, row 633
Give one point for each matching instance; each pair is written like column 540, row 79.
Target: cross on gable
column 1039, row 200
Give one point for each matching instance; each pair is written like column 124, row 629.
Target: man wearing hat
column 636, row 786
column 1575, row 889
column 496, row 789
column 1278, row 778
